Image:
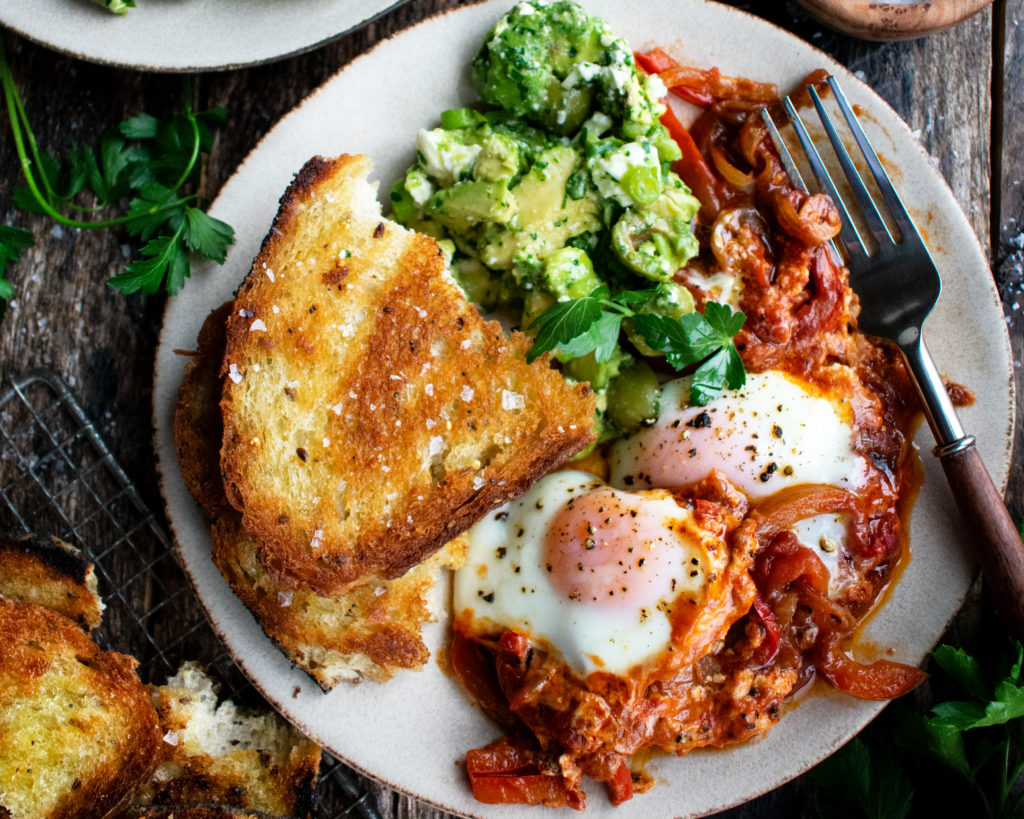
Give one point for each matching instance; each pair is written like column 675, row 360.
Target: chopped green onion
column 459, row 118
column 642, row 184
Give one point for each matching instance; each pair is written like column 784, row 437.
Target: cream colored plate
column 187, row 35
column 412, row 732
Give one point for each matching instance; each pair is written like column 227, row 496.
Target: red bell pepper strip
column 770, row 647
column 620, row 786
column 505, row 772
column 694, row 170
column 881, row 680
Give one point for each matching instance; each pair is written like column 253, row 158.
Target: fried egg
column 775, row 432
column 591, row 570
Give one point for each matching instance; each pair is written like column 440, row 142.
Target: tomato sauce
column 786, row 621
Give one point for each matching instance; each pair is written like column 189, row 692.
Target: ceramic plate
column 187, row 35
column 412, row 732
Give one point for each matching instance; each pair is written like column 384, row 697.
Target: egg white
column 505, row 583
column 774, row 432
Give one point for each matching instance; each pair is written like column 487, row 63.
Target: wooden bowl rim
column 874, row 20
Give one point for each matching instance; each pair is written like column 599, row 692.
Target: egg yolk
column 606, row 548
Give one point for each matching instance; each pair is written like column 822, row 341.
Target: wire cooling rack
column 58, row 477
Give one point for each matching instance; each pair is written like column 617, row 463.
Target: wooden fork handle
column 993, row 535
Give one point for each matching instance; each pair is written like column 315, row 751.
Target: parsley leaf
column 592, row 325
column 12, row 241
column 207, row 235
column 567, row 325
column 163, row 257
column 152, row 164
column 873, row 780
column 963, row 668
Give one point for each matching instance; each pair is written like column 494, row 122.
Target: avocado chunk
column 548, row 217
column 467, row 203
column 569, row 274
column 499, row 160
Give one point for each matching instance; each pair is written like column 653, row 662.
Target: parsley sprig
column 592, row 325
column 153, row 165
column 979, row 737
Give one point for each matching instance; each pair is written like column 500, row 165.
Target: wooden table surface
column 961, row 92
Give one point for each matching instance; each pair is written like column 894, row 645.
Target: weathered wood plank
column 1009, row 222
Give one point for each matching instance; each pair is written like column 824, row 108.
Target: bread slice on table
column 370, row 413
column 219, row 753
column 78, row 732
column 51, row 573
column 370, row 632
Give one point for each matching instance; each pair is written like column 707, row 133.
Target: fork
column 898, row 285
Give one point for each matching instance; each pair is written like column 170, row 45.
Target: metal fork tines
column 897, row 283
column 894, row 276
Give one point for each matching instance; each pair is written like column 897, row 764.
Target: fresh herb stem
column 167, row 216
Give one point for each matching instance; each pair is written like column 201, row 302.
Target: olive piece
column 633, row 397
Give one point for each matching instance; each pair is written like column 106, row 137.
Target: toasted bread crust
column 363, row 635
column 53, row 574
column 58, row 690
column 215, row 752
column 370, row 633
column 370, row 414
column 197, row 418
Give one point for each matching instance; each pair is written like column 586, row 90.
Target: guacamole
column 558, row 183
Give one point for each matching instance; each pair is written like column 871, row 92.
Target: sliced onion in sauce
column 729, row 172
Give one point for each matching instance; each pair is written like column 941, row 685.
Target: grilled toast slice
column 53, row 574
column 370, row 413
column 371, row 632
column 219, row 753
column 197, row 420
column 78, row 733
column 368, row 633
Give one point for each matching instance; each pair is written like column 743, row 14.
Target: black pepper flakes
column 701, row 421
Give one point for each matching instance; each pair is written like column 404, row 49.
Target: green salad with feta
column 556, row 194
